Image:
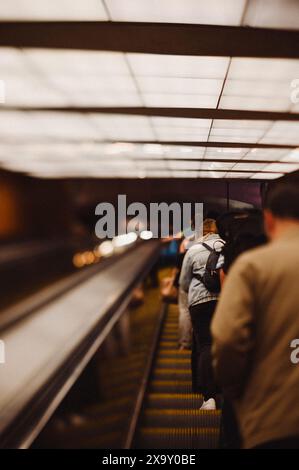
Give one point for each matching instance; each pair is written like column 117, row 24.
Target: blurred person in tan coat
column 255, row 328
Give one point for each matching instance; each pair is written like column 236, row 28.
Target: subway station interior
column 161, row 101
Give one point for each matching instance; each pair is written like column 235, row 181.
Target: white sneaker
column 209, row 404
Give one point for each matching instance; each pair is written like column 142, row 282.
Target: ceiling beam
column 197, row 113
column 149, row 170
column 188, row 143
column 213, row 160
column 152, row 38
column 174, row 143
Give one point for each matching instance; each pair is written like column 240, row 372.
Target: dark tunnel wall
column 35, row 208
column 31, row 208
column 213, row 193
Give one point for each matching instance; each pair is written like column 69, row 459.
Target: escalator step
column 181, row 418
column 180, row 363
column 174, row 400
column 169, row 337
column 173, row 353
column 178, row 438
column 174, row 386
column 171, row 374
column 168, row 344
column 171, row 417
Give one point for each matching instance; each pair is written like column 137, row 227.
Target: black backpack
column 210, row 278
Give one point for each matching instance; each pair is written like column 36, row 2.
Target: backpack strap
column 207, row 247
column 198, row 277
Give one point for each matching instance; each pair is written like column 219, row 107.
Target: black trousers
column 230, row 437
column 201, row 360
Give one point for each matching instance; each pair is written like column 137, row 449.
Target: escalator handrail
column 25, row 414
column 30, row 304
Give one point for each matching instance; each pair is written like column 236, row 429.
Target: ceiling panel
column 123, row 159
column 292, row 156
column 225, row 130
column 178, row 11
column 123, row 127
column 259, row 84
column 239, row 175
column 266, row 176
column 201, row 86
column 67, row 78
column 265, row 154
column 263, row 69
column 75, row 78
column 282, row 132
column 73, row 63
column 282, row 14
column 247, row 166
column 181, row 122
column 216, row 166
column 158, row 65
column 252, row 103
column 182, row 100
column 211, row 174
column 90, row 78
column 225, row 153
column 83, row 10
column 181, row 165
column 171, row 151
column 184, row 174
column 283, row 167
column 52, row 125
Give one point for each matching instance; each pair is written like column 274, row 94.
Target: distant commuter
column 202, row 303
column 185, row 326
column 255, row 323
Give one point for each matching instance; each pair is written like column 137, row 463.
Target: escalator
column 171, row 415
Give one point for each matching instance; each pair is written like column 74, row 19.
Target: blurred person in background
column 185, row 326
column 201, row 303
column 256, row 321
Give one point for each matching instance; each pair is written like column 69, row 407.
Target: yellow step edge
column 161, row 371
column 181, row 412
column 179, row 396
column 180, row 360
column 171, row 382
column 181, row 431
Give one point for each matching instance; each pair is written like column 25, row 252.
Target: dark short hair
column 282, row 199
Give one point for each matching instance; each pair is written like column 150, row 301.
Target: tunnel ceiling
column 149, row 89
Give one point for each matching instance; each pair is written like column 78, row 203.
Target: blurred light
column 119, row 147
column 78, row 260
column 106, row 248
column 153, row 149
column 125, row 239
column 89, row 257
column 146, row 235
